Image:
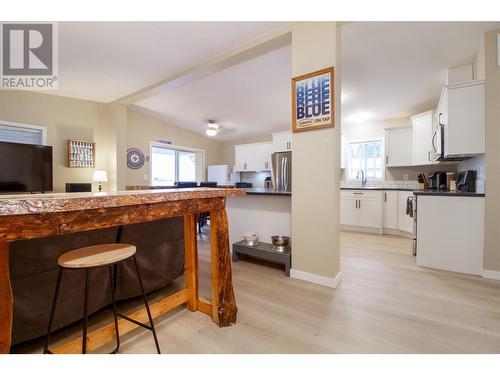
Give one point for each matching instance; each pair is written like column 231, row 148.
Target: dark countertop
column 448, row 193
column 375, row 188
column 264, row 191
column 422, row 192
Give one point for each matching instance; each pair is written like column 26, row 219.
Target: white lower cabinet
column 391, row 209
column 376, row 209
column 361, row 208
column 405, row 222
column 450, row 233
column 348, row 210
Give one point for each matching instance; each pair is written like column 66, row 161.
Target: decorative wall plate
column 135, row 158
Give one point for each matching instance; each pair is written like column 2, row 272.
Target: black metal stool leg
column 112, row 285
column 147, row 306
column 85, row 312
column 52, row 312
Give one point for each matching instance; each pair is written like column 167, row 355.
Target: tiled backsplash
column 413, row 184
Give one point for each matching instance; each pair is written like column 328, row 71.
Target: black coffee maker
column 437, row 181
column 466, row 181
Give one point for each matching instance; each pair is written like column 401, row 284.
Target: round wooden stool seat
column 96, row 256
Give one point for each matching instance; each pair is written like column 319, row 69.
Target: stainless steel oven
column 411, row 210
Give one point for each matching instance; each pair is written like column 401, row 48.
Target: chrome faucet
column 363, row 177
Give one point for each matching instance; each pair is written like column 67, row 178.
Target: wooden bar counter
column 43, row 215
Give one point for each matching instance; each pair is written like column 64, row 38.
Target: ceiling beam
column 267, row 43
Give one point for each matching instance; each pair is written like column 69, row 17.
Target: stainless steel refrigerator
column 282, row 170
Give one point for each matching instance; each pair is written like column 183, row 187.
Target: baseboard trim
column 353, row 228
column 397, row 232
column 394, row 232
column 317, row 279
column 488, row 274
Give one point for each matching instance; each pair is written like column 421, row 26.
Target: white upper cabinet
column 263, row 156
column 282, row 141
column 422, row 138
column 342, row 152
column 399, row 147
column 252, row 157
column 461, row 114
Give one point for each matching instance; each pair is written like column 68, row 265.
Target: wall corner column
column 316, row 165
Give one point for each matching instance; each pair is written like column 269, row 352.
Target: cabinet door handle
column 386, row 159
column 244, row 165
column 359, row 204
column 428, row 155
column 439, row 119
column 385, row 197
column 356, row 203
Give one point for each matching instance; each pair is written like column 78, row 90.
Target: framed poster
column 313, row 101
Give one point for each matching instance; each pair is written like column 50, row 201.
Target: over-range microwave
column 437, row 143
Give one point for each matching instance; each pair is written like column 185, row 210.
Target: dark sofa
column 33, row 271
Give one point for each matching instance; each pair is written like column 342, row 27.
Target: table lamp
column 100, row 177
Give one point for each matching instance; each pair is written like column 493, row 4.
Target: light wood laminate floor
column 385, row 304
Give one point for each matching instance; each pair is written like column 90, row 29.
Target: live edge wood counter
column 43, row 215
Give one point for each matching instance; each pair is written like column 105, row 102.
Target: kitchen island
column 25, row 217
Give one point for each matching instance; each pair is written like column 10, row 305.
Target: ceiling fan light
column 211, row 132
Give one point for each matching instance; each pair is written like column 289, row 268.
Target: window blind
column 21, row 134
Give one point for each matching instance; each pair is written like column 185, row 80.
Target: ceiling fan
column 213, row 129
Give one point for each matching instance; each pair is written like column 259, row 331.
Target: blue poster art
column 313, row 105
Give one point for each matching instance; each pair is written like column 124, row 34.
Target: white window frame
column 348, row 142
column 29, row 126
column 200, row 159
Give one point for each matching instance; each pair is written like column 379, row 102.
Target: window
column 170, row 165
column 366, row 156
column 22, row 133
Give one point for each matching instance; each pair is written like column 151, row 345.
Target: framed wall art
column 313, row 101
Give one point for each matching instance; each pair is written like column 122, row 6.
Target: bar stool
column 87, row 259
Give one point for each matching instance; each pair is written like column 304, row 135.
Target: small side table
column 264, row 250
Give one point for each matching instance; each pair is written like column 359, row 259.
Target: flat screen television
column 25, row 168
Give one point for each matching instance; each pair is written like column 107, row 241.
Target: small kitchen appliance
column 466, row 181
column 437, row 181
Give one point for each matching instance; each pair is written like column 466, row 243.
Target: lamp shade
column 100, row 176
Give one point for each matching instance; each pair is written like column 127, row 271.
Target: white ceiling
column 389, row 69
column 397, row 69
column 252, row 98
column 104, row 61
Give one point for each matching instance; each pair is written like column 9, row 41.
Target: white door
column 422, row 137
column 405, row 222
column 370, row 212
column 391, row 209
column 398, row 147
column 348, row 210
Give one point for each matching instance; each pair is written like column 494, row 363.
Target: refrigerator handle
column 286, row 174
column 282, row 174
